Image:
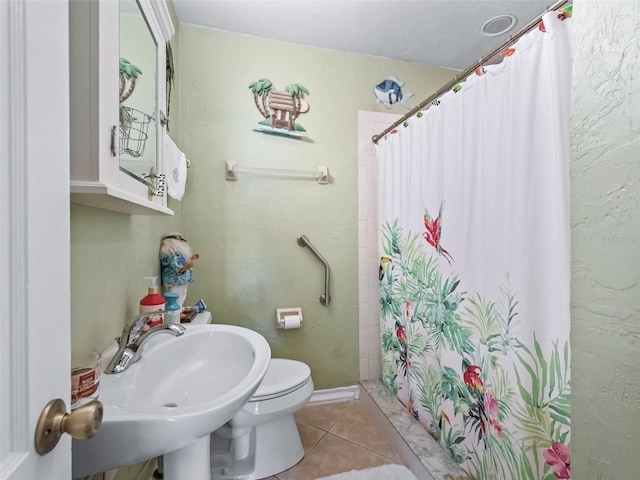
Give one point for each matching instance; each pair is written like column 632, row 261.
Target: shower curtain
column 474, row 263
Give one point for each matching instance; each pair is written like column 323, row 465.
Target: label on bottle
column 84, row 385
column 172, row 316
column 153, row 320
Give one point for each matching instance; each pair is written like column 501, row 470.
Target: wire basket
column 134, row 126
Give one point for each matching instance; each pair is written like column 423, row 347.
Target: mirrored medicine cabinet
column 118, row 98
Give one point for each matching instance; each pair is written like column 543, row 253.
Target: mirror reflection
column 138, row 129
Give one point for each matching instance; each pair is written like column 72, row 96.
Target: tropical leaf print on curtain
column 499, row 405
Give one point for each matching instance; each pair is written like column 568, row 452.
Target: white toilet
column 262, row 439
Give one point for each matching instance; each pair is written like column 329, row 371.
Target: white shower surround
column 369, row 124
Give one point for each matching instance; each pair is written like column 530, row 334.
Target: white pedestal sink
column 182, row 389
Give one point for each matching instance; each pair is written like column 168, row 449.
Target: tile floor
column 338, row 437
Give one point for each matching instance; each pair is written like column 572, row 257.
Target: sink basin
column 182, row 389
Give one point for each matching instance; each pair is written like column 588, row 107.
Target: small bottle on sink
column 172, row 308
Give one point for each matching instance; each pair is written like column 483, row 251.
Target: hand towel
column 175, row 167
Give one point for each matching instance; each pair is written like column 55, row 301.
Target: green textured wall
column 246, row 231
column 111, row 253
column 605, row 250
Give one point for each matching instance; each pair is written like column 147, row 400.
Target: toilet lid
column 283, row 376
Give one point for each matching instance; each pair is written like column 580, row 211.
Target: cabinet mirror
column 117, row 84
column 138, row 129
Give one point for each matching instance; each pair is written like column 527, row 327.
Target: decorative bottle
column 172, row 308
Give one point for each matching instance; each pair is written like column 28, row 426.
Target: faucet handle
column 139, row 322
column 137, row 327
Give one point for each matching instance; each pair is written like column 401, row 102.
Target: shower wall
column 605, row 229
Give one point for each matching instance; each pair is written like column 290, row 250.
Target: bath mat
column 384, row 472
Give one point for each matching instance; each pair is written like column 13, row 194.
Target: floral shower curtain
column 474, row 263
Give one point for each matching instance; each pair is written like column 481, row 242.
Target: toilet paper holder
column 293, row 313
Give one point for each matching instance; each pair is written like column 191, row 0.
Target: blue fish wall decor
column 389, row 91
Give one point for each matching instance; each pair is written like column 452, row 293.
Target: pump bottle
column 152, row 302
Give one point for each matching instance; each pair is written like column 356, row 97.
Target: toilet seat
column 283, row 376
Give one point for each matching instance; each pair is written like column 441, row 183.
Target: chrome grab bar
column 325, row 298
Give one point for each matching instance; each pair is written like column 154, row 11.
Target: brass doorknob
column 54, row 420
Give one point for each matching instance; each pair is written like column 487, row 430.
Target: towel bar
column 321, row 174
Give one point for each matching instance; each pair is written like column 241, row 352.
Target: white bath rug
column 384, row 472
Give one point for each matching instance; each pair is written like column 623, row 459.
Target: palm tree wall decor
column 279, row 108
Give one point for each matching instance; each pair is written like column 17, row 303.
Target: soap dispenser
column 152, row 302
column 172, row 308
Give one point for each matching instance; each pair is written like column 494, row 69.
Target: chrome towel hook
column 325, row 298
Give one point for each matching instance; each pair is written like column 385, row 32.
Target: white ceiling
column 432, row 32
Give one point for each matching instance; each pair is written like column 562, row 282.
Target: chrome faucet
column 131, row 341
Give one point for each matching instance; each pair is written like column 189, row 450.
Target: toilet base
column 257, row 452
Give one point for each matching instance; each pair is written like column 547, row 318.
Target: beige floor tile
column 334, row 455
column 356, row 426
column 321, row 416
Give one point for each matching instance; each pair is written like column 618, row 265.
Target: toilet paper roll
column 291, row 321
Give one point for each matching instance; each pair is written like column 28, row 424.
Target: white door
column 34, row 232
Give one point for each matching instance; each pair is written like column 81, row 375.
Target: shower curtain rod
column 461, row 76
